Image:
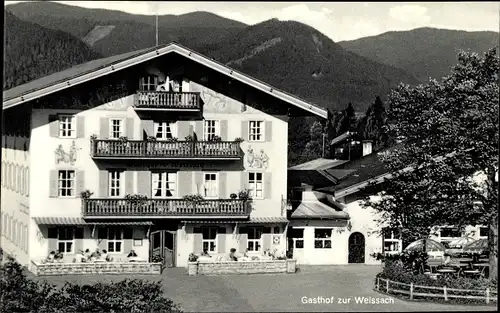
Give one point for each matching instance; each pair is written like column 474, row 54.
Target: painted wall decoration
column 211, row 98
column 68, row 157
column 257, row 160
column 276, row 239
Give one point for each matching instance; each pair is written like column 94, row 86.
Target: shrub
column 193, row 257
column 20, row 294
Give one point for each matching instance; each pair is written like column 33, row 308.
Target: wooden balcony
column 137, row 149
column 168, row 101
column 164, row 208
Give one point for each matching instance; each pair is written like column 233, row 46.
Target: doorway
column 162, row 247
column 356, row 248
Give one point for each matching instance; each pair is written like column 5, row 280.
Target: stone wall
column 241, row 267
column 55, row 269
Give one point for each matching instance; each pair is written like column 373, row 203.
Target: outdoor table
column 446, row 271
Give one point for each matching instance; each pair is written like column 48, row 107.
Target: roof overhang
column 318, row 210
column 78, row 221
column 170, row 48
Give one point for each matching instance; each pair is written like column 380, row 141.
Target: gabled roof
column 98, row 68
column 342, row 137
column 317, row 164
column 319, row 210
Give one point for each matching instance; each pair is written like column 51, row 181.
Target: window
column 14, row 178
column 322, row 238
column 65, row 239
column 483, row 232
column 210, row 185
column 115, row 128
column 115, row 183
column 255, row 131
column 296, row 238
column 67, row 126
column 211, row 129
column 450, row 232
column 255, row 185
column 391, row 241
column 115, row 240
column 165, row 130
column 26, row 238
column 66, row 183
column 149, row 83
column 14, row 232
column 254, row 237
column 208, row 238
column 164, row 184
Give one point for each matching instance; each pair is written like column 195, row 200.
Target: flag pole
column 157, row 28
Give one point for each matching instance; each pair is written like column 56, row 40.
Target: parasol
column 461, row 242
column 431, row 245
column 478, row 246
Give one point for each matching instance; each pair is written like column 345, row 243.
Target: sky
column 337, row 20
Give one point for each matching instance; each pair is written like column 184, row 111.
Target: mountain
column 33, row 51
column 423, row 52
column 114, row 32
column 299, row 59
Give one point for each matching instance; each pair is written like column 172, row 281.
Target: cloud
column 410, row 13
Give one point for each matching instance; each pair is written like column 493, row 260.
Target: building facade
column 163, row 151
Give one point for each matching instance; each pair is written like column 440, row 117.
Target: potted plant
column 215, row 139
column 233, row 196
column 244, row 194
column 193, row 257
column 93, row 137
column 123, row 139
column 136, row 200
column 151, row 139
column 193, row 200
column 189, row 138
column 173, row 139
column 86, row 194
column 238, row 139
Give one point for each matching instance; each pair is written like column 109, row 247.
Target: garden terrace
column 164, row 208
column 223, row 150
column 54, row 269
column 241, row 267
column 168, row 101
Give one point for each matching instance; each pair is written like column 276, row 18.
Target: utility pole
column 323, row 151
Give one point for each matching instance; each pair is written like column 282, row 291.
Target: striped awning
column 252, row 220
column 78, row 221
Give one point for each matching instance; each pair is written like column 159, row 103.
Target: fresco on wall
column 67, row 157
column 257, row 160
column 213, row 99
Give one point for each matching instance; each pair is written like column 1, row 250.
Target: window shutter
column 78, row 239
column 129, row 182
column 244, row 130
column 198, row 244
column 222, row 185
column 268, row 185
column 129, row 132
column 141, row 83
column 149, row 127
column 268, row 128
column 103, row 183
column 185, row 182
column 182, row 129
column 198, row 181
column 244, row 180
column 103, row 128
column 144, row 183
column 198, row 129
column 185, row 85
column 53, row 192
column 54, row 125
column 27, row 181
column 80, row 182
column 191, row 130
column 221, row 240
column 243, row 241
column 223, row 130
column 80, row 127
column 102, row 238
column 266, row 241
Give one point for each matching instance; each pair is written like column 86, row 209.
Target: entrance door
column 162, row 247
column 356, row 248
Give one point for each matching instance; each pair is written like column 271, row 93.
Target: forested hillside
column 424, row 52
column 32, row 51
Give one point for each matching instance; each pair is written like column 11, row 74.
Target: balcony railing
column 165, row 149
column 164, row 207
column 168, row 100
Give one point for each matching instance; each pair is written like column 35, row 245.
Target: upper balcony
column 164, row 208
column 168, row 101
column 165, row 150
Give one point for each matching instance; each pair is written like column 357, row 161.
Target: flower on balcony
column 86, row 194
column 173, row 139
column 136, row 199
column 194, row 199
column 233, row 196
column 189, row 138
column 123, row 139
column 193, row 257
column 93, row 137
column 151, row 138
column 215, row 139
column 244, row 194
column 238, row 139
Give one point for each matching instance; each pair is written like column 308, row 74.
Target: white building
column 140, row 132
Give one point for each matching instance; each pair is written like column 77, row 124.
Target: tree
column 450, row 131
column 314, row 148
column 372, row 125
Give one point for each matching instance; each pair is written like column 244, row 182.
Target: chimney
column 367, row 147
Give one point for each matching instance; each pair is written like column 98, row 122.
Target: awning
column 78, row 221
column 318, row 210
column 252, row 220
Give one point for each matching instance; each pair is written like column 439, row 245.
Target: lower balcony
column 133, row 149
column 164, row 208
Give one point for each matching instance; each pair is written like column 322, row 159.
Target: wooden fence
column 389, row 286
